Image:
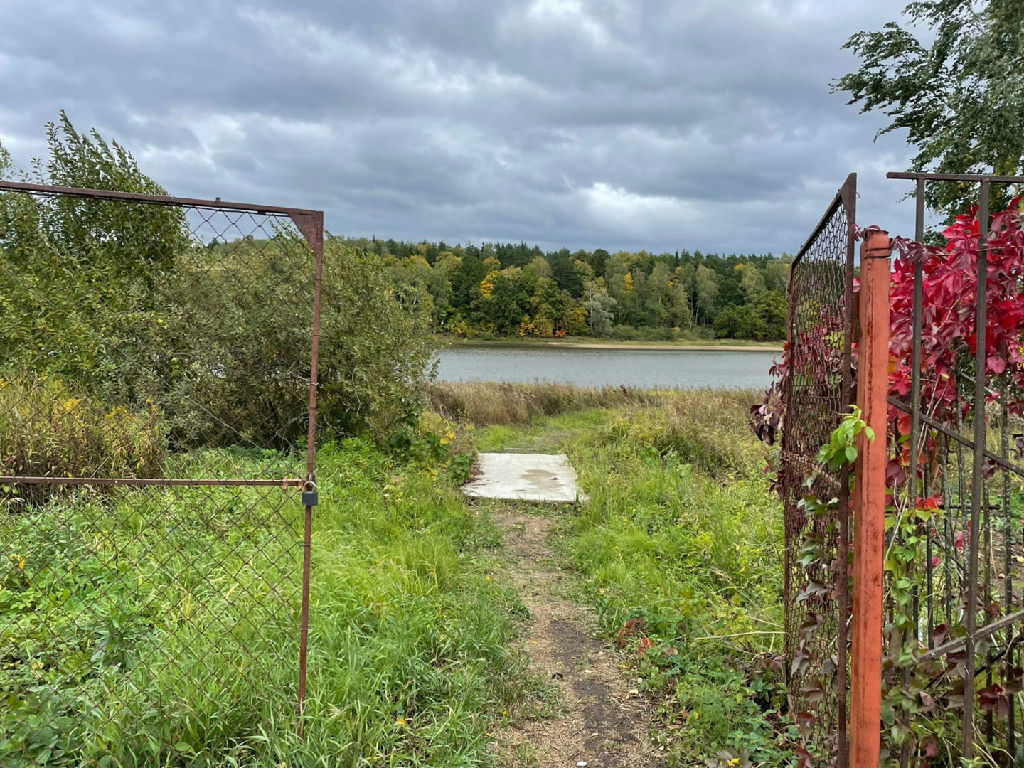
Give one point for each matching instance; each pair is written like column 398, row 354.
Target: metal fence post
column 869, row 502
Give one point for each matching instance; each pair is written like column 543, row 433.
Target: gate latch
column 310, row 497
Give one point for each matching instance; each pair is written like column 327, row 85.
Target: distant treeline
column 499, row 289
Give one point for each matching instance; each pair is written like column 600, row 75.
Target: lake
column 647, row 368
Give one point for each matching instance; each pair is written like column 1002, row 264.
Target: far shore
column 691, row 345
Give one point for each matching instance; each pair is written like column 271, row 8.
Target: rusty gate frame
column 799, row 460
column 310, row 224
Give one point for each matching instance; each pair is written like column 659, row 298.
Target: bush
column 120, row 302
column 376, row 346
column 46, row 429
column 230, row 353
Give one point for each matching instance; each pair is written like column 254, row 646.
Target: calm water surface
column 679, row 369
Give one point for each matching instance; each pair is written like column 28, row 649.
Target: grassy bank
column 489, row 403
column 680, row 548
column 592, row 342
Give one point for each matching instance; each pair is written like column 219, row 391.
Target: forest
column 508, row 289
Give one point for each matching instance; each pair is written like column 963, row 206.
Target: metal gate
column 818, row 389
column 158, row 385
column 954, row 676
column 941, row 608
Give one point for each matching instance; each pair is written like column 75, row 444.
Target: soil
column 599, row 718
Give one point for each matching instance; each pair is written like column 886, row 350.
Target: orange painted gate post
column 869, row 503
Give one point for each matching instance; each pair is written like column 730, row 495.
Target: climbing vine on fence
column 927, row 532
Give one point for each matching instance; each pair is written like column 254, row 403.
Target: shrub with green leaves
column 46, row 428
column 121, row 301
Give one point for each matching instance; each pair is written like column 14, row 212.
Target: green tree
column 773, row 312
column 751, row 283
column 705, row 284
column 546, row 306
column 537, row 268
column 739, row 322
column 679, row 312
column 440, row 287
column 776, row 274
column 584, row 273
column 600, row 307
column 502, row 301
column 655, row 296
column 78, row 275
column 620, row 285
column 959, row 94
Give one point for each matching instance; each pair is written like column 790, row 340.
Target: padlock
column 310, row 496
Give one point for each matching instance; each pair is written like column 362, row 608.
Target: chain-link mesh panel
column 817, row 391
column 155, row 366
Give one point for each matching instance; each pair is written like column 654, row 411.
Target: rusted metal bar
column 1011, row 731
column 958, row 437
column 980, row 634
column 915, row 358
column 288, row 482
column 1004, row 444
column 869, row 502
column 136, row 197
column 917, row 310
column 969, row 177
column 316, row 242
column 314, row 233
column 929, row 565
column 977, row 478
column 848, row 195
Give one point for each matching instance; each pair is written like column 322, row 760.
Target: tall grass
column 411, row 655
column 485, row 403
column 47, row 428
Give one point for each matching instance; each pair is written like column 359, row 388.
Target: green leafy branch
column 841, row 450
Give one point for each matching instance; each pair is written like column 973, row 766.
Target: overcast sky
column 608, row 123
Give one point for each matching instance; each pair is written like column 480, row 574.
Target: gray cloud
column 584, row 123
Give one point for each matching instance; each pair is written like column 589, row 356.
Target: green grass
column 405, row 601
column 149, row 597
column 164, row 644
column 682, row 532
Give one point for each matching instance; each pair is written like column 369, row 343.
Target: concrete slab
column 524, row 477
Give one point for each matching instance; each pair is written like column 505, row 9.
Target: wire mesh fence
column 817, row 391
column 157, row 402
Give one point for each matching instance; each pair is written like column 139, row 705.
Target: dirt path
column 600, row 720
